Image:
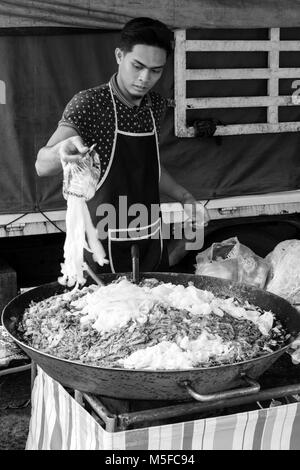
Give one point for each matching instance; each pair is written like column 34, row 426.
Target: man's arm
column 65, row 144
column 170, row 187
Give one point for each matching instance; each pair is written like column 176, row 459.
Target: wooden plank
column 241, row 74
column 36, row 223
column 32, row 217
column 273, row 82
column 239, row 46
column 33, row 229
column 279, row 197
column 272, row 114
column 180, row 81
column 285, row 202
column 239, row 102
column 227, row 46
column 238, row 129
column 289, row 46
column 254, row 211
column 217, row 212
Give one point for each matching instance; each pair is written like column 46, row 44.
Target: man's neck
column 132, row 100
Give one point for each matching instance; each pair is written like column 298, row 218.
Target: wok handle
column 135, row 253
column 253, row 387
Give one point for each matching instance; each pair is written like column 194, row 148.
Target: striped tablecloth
column 58, row 422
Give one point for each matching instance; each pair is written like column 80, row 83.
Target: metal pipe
column 187, row 409
column 14, row 370
column 103, row 413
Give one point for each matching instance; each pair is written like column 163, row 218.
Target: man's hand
column 64, row 146
column 196, row 211
column 72, row 149
column 177, row 192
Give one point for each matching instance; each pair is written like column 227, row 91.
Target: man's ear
column 119, row 55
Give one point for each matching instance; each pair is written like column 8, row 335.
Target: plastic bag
column 81, row 179
column 284, row 280
column 294, row 350
column 284, row 276
column 231, row 260
column 225, row 269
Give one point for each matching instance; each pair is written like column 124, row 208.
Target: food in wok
column 154, row 325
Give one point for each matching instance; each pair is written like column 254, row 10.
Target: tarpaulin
column 175, row 13
column 42, row 72
column 58, row 422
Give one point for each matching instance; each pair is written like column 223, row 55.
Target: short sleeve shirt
column 91, row 114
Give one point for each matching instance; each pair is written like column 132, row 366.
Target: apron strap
column 115, row 108
column 157, row 144
column 114, row 142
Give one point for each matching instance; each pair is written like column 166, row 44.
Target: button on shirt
column 91, row 114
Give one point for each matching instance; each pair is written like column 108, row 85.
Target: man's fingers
column 79, row 144
column 71, row 158
column 82, row 149
column 197, row 214
column 72, row 150
column 67, row 156
column 76, row 146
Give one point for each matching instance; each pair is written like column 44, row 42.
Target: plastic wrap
column 284, row 276
column 231, row 260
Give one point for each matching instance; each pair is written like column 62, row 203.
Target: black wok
column 201, row 383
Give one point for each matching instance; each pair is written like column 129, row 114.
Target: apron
column 133, row 173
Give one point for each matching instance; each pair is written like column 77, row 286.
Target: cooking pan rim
column 129, row 274
column 152, row 371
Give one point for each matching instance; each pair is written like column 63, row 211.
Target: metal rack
column 15, row 370
column 120, row 415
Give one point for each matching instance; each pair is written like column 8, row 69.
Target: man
column 123, row 118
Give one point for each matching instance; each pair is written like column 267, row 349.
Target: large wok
column 200, row 383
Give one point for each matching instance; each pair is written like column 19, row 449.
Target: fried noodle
column 164, row 326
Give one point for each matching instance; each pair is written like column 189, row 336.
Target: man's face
column 140, row 69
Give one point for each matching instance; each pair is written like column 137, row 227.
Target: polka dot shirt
column 91, row 113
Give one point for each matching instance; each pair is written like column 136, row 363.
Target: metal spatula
column 93, row 275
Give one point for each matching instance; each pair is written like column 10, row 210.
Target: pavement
column 15, row 410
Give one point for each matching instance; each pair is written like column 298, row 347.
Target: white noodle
column 80, row 182
column 93, row 243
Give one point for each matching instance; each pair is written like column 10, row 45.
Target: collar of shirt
column 145, row 103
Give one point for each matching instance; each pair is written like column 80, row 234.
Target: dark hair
column 146, row 31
